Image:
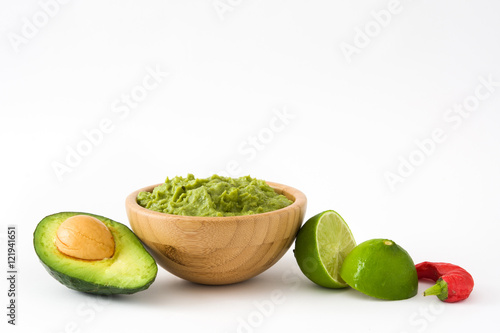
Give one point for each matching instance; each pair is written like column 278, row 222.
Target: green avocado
column 129, row 270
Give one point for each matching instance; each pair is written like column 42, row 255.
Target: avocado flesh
column 129, row 270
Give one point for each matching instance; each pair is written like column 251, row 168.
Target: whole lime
column 382, row 269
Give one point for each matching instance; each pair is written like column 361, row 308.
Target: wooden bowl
column 218, row 250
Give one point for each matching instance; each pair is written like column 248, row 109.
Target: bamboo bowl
column 218, row 250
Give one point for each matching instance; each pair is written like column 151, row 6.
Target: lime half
column 321, row 246
column 382, row 269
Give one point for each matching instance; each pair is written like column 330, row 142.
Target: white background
column 351, row 121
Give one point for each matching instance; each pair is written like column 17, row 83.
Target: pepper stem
column 434, row 290
column 440, row 289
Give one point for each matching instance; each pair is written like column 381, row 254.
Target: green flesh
column 321, row 246
column 214, row 196
column 131, row 269
column 335, row 241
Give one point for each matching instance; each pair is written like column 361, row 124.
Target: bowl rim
column 299, row 202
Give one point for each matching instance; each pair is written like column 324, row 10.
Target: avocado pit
column 85, row 237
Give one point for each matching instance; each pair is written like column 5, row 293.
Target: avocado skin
column 91, row 288
column 87, row 286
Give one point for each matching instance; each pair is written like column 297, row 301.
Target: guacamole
column 214, row 196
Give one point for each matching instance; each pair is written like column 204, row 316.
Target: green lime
column 382, row 269
column 321, row 246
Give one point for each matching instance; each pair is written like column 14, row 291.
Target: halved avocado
column 129, row 270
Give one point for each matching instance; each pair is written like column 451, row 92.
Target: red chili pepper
column 453, row 283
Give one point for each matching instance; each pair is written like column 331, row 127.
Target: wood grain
column 218, row 250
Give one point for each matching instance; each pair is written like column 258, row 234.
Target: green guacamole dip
column 214, row 196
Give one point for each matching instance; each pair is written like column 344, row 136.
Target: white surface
column 351, row 123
